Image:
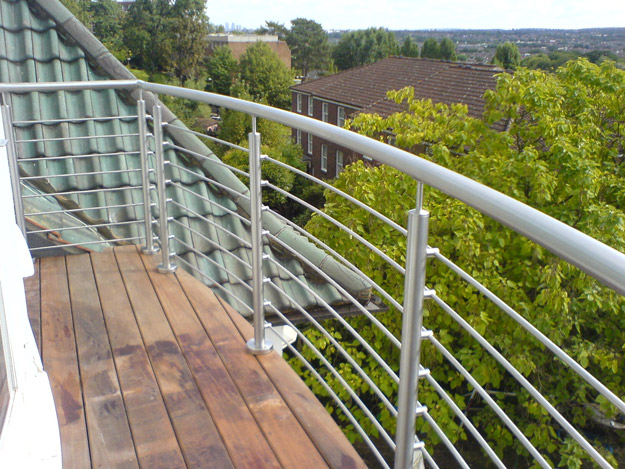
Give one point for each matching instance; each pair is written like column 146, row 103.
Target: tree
column 273, row 28
column 507, row 56
column 409, row 48
column 364, row 47
column 167, row 36
column 188, row 29
column 430, row 49
column 265, row 77
column 80, row 9
column 447, row 49
column 563, row 154
column 221, row 69
column 309, row 45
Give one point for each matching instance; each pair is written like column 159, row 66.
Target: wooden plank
column 33, row 303
column 186, row 408
column 61, row 362
column 110, row 441
column 318, row 424
column 284, row 433
column 152, row 431
column 246, row 443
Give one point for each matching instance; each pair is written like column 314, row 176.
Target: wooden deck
column 151, row 370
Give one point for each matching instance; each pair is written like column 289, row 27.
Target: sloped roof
column 445, row 82
column 41, row 41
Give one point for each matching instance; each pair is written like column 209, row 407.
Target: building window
column 339, row 162
column 298, row 136
column 310, row 106
column 340, row 117
column 299, row 102
column 324, row 158
column 310, row 146
column 324, row 112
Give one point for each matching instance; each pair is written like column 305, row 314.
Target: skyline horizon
column 423, row 15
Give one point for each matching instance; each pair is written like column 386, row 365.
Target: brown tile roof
column 365, row 87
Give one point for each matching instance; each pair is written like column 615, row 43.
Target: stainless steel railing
column 325, row 359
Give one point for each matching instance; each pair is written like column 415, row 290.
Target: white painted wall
column 30, row 436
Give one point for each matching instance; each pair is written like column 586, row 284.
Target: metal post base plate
column 167, row 270
column 254, row 350
column 148, row 251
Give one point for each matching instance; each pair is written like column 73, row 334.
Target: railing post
column 145, row 176
column 414, row 293
column 258, row 345
column 166, row 266
column 14, row 172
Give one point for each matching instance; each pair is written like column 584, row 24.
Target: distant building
column 335, row 98
column 238, row 44
column 125, row 4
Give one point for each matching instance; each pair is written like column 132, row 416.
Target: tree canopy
column 363, row 47
column 309, row 46
column 563, row 153
column 265, row 77
column 445, row 49
column 409, row 48
column 507, row 56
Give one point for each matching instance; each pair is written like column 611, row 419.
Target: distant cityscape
column 478, row 46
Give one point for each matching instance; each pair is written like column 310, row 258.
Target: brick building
column 238, row 44
column 335, row 98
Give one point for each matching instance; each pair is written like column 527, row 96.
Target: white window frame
column 298, row 136
column 310, row 106
column 340, row 165
column 325, row 111
column 310, row 144
column 324, row 158
column 340, row 116
column 298, row 101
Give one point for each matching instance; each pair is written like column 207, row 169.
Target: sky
column 424, row 14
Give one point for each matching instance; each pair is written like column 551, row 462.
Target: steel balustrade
column 600, row 261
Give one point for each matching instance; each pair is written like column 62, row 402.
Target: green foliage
column 507, row 56
column 445, row 49
column 563, row 154
column 273, row 28
column 265, row 77
column 167, row 36
column 80, row 9
column 275, row 142
column 309, row 45
column 409, row 48
column 363, row 47
column 430, row 49
column 555, row 59
column 221, row 69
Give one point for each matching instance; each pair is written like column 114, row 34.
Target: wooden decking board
column 160, row 365
column 270, row 411
column 152, row 431
column 61, row 362
column 190, row 417
column 240, row 432
column 110, row 441
column 314, row 418
column 33, row 303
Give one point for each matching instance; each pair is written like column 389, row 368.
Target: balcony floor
column 151, row 370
